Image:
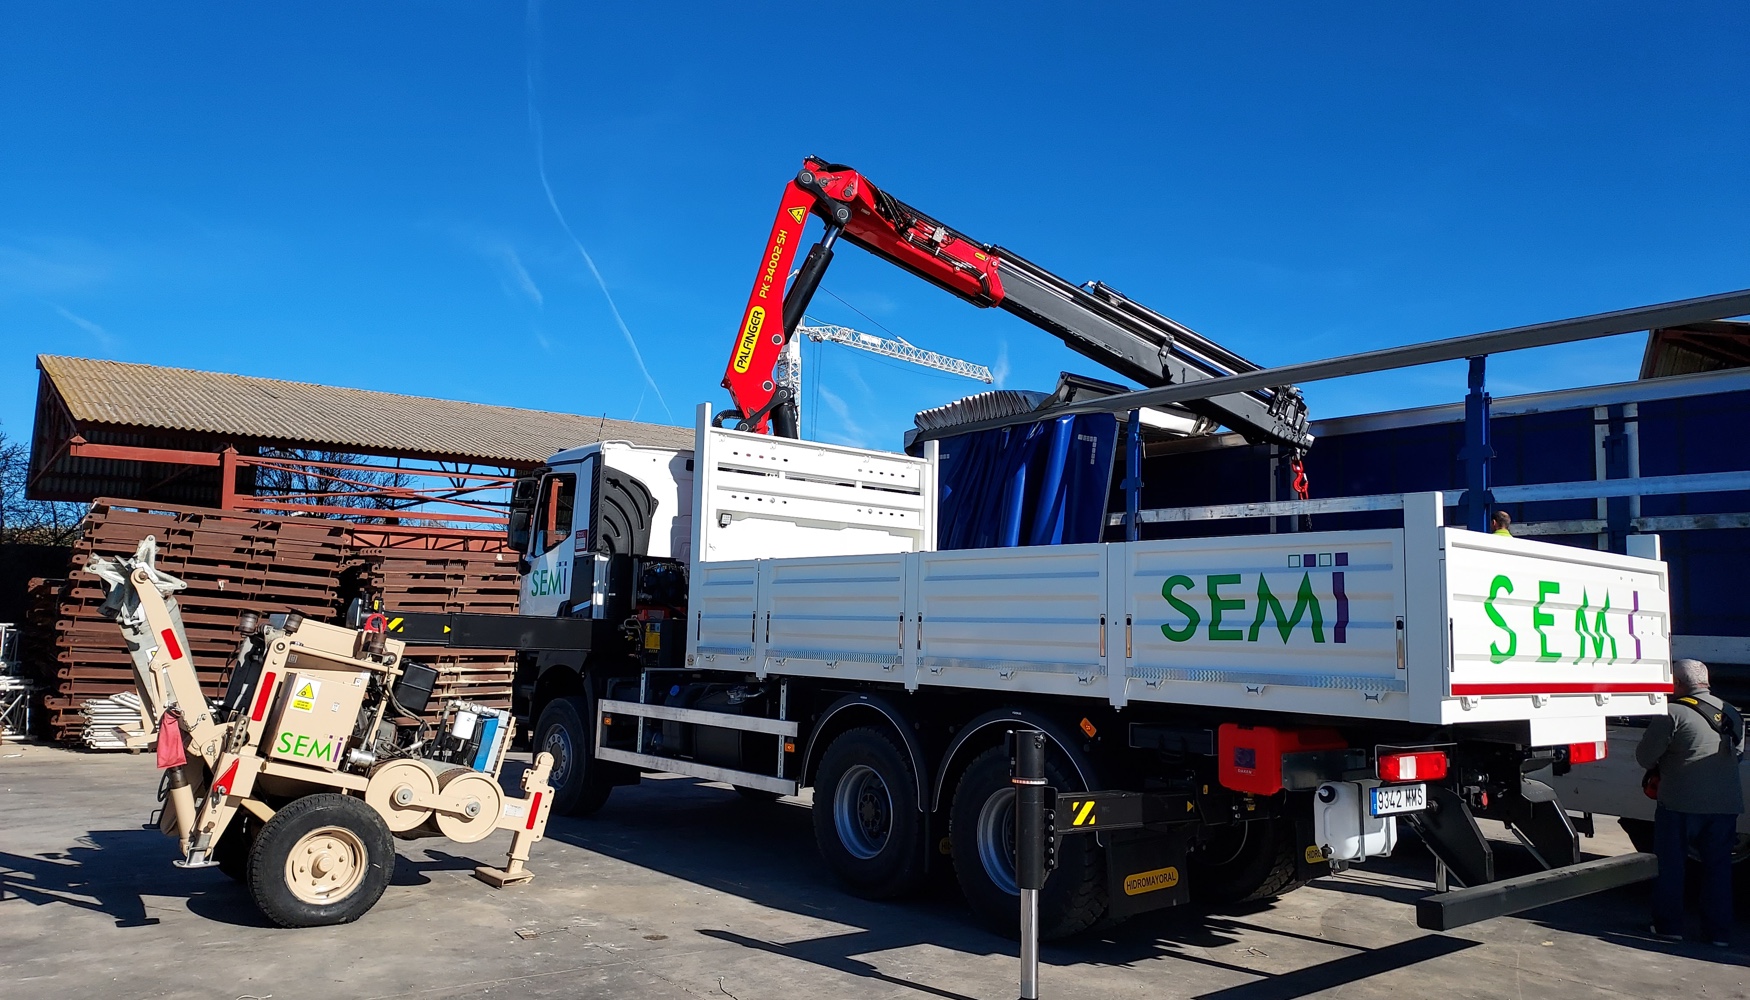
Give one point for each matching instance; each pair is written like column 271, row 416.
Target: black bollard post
column 1027, row 773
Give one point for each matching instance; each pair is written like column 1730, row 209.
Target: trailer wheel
column 981, row 836
column 867, row 824
column 564, row 732
column 1245, row 862
column 324, row 859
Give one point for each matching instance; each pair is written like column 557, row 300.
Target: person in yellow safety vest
column 1499, row 524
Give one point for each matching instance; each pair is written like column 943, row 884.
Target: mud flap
column 1538, row 816
column 1309, row 860
column 1145, row 871
column 1452, row 836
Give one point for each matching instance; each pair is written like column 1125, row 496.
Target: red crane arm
column 1094, row 320
column 850, row 205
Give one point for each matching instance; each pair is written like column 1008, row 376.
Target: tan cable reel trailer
column 299, row 779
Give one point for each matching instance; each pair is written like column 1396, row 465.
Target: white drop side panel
column 1543, row 631
column 723, row 600
column 1291, row 623
column 1021, row 619
column 837, row 616
column 757, row 497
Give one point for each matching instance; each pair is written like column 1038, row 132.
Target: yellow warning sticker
column 1141, row 882
column 1082, row 813
column 799, row 214
column 1314, row 856
column 304, row 698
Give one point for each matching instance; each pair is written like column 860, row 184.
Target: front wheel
column 324, row 859
column 981, row 835
column 867, row 824
column 563, row 731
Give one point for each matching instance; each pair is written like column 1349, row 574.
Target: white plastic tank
column 1343, row 828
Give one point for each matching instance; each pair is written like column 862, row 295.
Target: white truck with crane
column 1238, row 713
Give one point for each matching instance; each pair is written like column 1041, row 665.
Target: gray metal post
column 1133, row 477
column 1478, row 454
column 1027, row 772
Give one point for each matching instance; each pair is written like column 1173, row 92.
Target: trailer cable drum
column 397, row 784
column 482, row 800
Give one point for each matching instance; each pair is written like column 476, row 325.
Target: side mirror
column 522, row 512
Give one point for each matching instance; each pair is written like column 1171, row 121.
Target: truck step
column 693, row 769
column 698, row 717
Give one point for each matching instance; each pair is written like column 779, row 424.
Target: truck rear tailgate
column 1549, row 631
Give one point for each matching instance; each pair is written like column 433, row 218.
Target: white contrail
column 531, row 48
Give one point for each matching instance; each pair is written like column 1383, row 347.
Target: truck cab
column 588, row 504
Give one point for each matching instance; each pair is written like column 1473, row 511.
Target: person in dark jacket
column 1695, row 747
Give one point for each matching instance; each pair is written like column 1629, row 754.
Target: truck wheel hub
column 862, row 811
column 996, row 840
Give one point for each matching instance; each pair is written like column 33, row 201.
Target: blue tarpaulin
column 1032, row 484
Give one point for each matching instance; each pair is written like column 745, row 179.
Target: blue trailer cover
column 1033, row 484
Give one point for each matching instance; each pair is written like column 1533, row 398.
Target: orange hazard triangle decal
column 798, row 214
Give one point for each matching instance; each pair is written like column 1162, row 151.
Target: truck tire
column 867, row 824
column 324, row 859
column 981, row 837
column 563, row 731
column 1245, row 862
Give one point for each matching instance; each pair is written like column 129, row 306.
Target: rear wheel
column 867, row 824
column 323, row 859
column 1245, row 862
column 981, row 834
column 563, row 731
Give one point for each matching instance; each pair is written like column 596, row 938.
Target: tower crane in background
column 788, row 371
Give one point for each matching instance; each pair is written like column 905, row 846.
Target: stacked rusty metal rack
column 232, row 562
column 442, row 582
column 235, row 562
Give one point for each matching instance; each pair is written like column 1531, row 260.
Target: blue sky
column 403, row 196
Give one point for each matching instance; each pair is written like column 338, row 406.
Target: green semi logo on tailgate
column 1593, row 632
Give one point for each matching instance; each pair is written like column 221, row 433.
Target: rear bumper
column 1447, row 910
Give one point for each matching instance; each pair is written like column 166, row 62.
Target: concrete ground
column 683, row 889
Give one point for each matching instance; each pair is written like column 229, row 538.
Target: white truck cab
column 590, row 502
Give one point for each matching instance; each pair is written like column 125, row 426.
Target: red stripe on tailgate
column 1637, row 687
column 534, row 810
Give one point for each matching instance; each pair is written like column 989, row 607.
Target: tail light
column 1425, row 765
column 1586, row 753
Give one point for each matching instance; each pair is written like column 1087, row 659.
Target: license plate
column 1387, row 800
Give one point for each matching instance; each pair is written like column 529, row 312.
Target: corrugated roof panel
column 320, row 416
